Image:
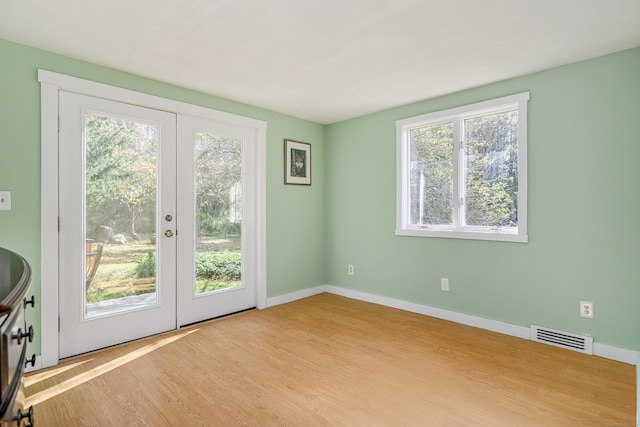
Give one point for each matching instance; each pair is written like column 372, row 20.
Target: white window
column 462, row 173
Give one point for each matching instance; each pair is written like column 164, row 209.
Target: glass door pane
column 218, row 212
column 120, row 214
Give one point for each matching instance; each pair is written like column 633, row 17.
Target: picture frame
column 297, row 162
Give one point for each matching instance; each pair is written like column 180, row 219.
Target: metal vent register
column 575, row 342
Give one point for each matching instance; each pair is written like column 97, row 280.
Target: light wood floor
column 329, row 360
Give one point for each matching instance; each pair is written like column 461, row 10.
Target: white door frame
column 50, row 85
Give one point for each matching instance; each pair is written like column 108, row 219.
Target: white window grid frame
column 457, row 115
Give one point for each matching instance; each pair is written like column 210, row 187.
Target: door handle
column 168, row 233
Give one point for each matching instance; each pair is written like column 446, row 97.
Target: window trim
column 403, row 126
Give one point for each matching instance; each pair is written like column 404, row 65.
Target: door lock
column 168, row 218
column 168, row 233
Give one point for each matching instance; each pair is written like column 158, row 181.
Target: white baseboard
column 465, row 319
column 615, row 353
column 293, row 296
column 601, row 350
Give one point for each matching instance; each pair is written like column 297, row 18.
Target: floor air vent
column 574, row 342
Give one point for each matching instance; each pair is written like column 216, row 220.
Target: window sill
column 469, row 235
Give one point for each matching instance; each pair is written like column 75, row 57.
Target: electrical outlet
column 444, row 284
column 5, row 200
column 350, row 270
column 586, row 309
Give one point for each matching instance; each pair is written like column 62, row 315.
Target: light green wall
column 584, row 233
column 584, row 209
column 295, row 221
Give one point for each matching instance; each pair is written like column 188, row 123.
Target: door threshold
column 217, row 318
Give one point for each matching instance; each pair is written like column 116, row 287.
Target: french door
column 217, row 211
column 144, row 249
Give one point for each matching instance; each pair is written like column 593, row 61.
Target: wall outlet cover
column 586, row 309
column 5, row 200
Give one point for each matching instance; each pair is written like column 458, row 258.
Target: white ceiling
column 325, row 60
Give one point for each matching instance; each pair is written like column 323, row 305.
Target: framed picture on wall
column 297, row 162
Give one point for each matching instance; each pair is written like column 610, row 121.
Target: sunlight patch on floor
column 100, row 370
column 35, row 378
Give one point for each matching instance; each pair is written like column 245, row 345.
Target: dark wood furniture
column 15, row 278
